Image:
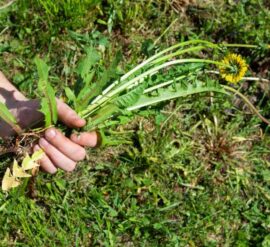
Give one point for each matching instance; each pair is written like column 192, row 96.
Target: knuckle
column 50, row 133
column 70, row 114
column 46, row 146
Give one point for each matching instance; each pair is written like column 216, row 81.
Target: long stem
column 156, row 56
column 239, row 45
column 177, row 53
column 162, row 66
column 149, row 60
column 210, row 44
column 246, row 100
column 243, row 78
column 139, row 78
column 242, row 45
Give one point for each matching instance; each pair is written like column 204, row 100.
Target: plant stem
column 149, row 60
column 133, row 82
column 239, row 45
column 17, row 129
column 158, row 68
column 246, row 100
column 163, row 84
column 158, row 55
column 242, row 45
column 243, row 78
column 177, row 53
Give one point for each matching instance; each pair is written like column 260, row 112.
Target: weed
column 197, row 173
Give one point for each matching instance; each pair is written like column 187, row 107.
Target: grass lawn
column 192, row 172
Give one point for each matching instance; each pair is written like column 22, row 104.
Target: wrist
column 24, row 110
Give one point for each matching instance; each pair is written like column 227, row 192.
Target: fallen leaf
column 9, row 181
column 18, row 171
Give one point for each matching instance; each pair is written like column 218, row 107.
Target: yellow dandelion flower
column 233, row 69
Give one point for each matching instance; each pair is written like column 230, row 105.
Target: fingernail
column 51, row 133
column 43, row 142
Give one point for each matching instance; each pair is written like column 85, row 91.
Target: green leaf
column 45, row 109
column 176, row 91
column 87, row 94
column 70, row 95
column 87, row 63
column 7, row 116
column 43, row 73
column 48, row 101
column 131, row 97
column 102, row 115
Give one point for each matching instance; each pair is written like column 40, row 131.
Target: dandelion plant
column 175, row 72
column 178, row 71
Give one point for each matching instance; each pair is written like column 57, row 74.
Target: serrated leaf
column 45, row 109
column 95, row 89
column 164, row 94
column 43, row 73
column 9, row 181
column 130, row 97
column 48, row 101
column 50, row 95
column 86, row 64
column 52, row 104
column 18, row 171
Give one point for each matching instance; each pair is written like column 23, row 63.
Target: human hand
column 60, row 151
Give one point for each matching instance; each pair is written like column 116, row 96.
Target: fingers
column 57, row 158
column 85, row 139
column 45, row 162
column 60, row 151
column 70, row 149
column 63, row 152
column 68, row 116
